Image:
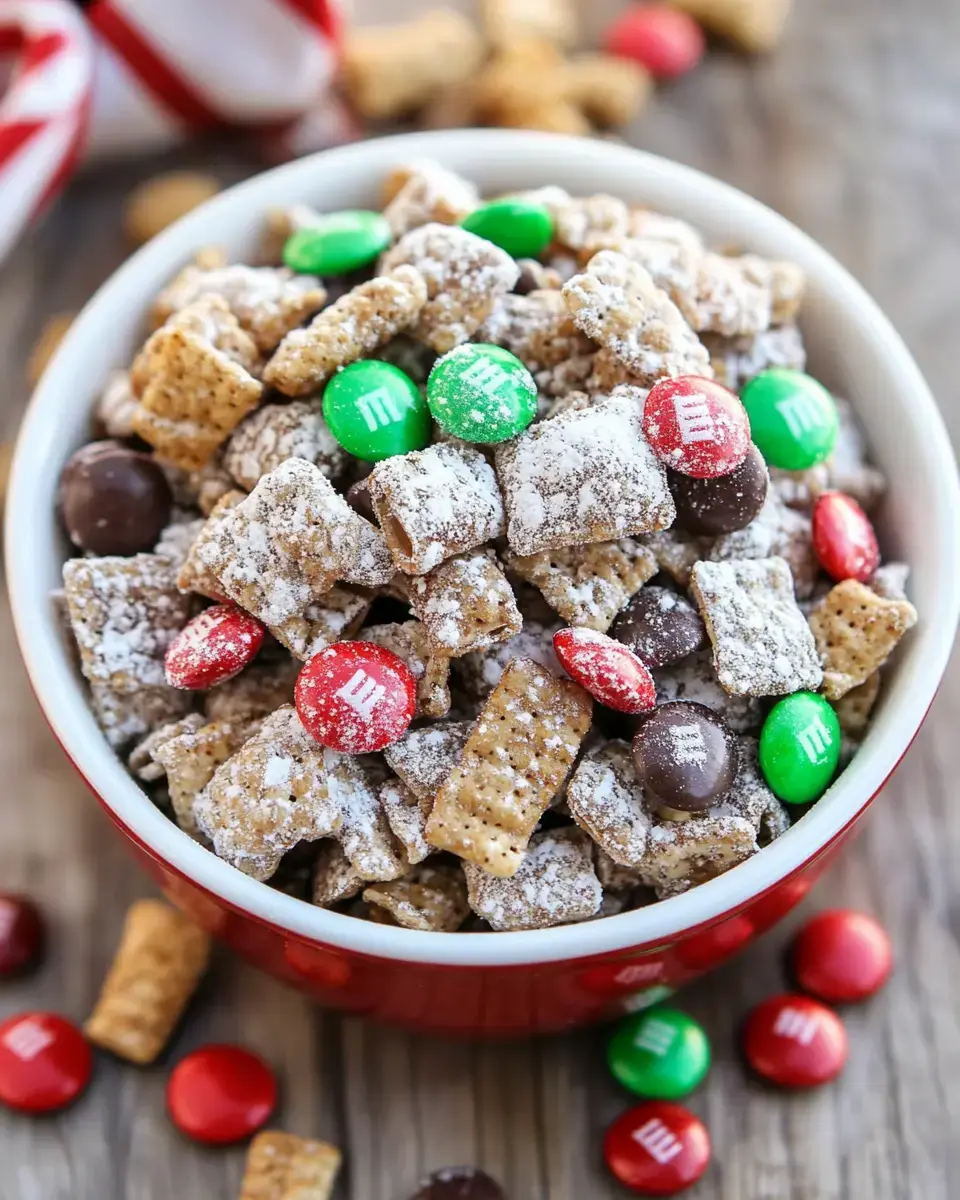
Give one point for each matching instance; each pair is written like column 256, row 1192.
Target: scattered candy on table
column 212, row 648
column 338, row 243
column 661, row 1053
column 795, row 1042
column 696, row 426
column 45, row 1062
column 793, row 418
column 843, row 538
column 841, row 956
column 375, row 410
column 482, row 393
column 657, row 1149
column 221, row 1094
column 800, row 747
column 667, row 41
column 610, row 672
column 22, row 934
column 459, row 1183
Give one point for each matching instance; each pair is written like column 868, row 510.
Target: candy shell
column 666, row 41
column 685, row 755
column 459, row 1183
column 843, row 538
column 21, row 933
column 221, row 1094
column 375, row 410
column 657, row 1149
column 793, row 418
column 661, row 1053
column 45, row 1062
column 795, row 1042
column 338, row 243
column 213, row 647
column 609, row 671
column 800, row 747
column 482, row 393
column 520, row 227
column 841, row 956
column 696, row 426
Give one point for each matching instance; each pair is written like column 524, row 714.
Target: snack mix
column 432, row 570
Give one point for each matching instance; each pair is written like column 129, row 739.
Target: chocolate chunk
column 685, row 755
column 660, row 627
column 459, row 1183
column 114, row 500
column 710, row 507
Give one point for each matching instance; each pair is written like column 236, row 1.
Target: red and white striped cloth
column 134, row 75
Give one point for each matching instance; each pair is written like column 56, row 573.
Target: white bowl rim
column 62, row 697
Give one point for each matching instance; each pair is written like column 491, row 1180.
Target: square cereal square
column 856, row 631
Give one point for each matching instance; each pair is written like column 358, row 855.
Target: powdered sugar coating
column 277, row 432
column 425, row 191
column 606, row 800
column 423, row 758
column 408, row 640
column 536, row 328
column 407, row 815
column 430, row 898
column 695, row 680
column 776, row 531
column 116, row 406
column 737, row 360
column 338, row 614
column 465, row 604
column 213, row 647
column 126, row 716
column 479, row 673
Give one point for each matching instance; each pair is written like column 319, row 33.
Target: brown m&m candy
column 685, row 755
column 114, row 500
column 459, row 1183
column 711, row 507
column 660, row 627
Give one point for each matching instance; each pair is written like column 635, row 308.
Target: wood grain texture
column 853, row 131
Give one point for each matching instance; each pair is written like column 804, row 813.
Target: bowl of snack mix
column 485, row 575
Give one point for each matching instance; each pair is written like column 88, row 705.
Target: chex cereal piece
column 425, row 757
column 695, row 679
column 849, row 465
column 800, row 489
column 124, row 612
column 890, row 580
column 464, row 274
column 350, row 328
column 606, row 800
column 277, row 432
column 608, row 372
column 157, row 966
column 434, row 503
column 536, row 276
column 477, row 674
column 337, row 615
column 280, row 223
column 285, row 545
column 856, row 631
column 431, row 898
column 281, row 1166
column 269, row 796
column 588, row 585
column 536, row 328
column 465, row 604
column 762, row 646
column 193, row 574
column 647, row 223
column 142, row 761
column 613, row 876
column 854, row 707
column 189, row 758
column 580, row 221
column 736, row 360
column 512, row 766
column 267, row 301
column 210, row 484
column 407, row 816
column 431, row 670
column 672, row 265
column 572, row 374
column 425, row 192
column 676, row 551
column 194, row 391
column 115, row 408
column 555, row 884
column 616, row 302
column 177, row 538
column 583, row 476
column 334, row 877
column 743, row 295
column 752, row 799
column 257, row 691
column 126, row 716
column 681, row 854
column 776, row 530
column 210, row 319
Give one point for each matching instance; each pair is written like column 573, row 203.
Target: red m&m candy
column 664, row 40
column 795, row 1042
column 213, row 647
column 696, row 426
column 21, row 934
column 220, row 1094
column 842, row 956
column 843, row 538
column 657, row 1149
column 45, row 1062
column 356, row 697
column 609, row 671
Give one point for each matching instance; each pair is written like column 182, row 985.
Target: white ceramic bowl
column 852, row 348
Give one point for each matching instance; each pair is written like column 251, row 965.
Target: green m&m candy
column 793, row 419
column 521, row 228
column 800, row 747
column 339, row 243
column 661, row 1053
column 481, row 393
column 375, row 411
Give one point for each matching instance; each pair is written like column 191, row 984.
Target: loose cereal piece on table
column 431, row 670
column 520, row 87
column 555, row 884
column 464, row 274
column 435, row 503
column 424, row 758
column 190, row 756
column 580, row 221
column 277, row 432
column 537, row 328
column 284, row 546
column 193, row 575
column 465, row 604
column 504, row 21
column 124, row 612
column 616, row 302
column 856, row 631
column 194, row 382
column 431, row 898
column 334, row 877
column 479, row 673
column 257, row 691
column 583, row 476
column 407, row 816
column 126, row 716
column 157, row 966
column 425, row 192
column 163, row 199
column 352, row 327
column 337, row 615
column 776, row 531
column 762, row 645
column 696, row 680
column 512, row 766
column 608, row 89
column 588, row 585
column 281, row 1166
column 737, row 360
column 267, row 301
column 116, row 406
column 755, row 26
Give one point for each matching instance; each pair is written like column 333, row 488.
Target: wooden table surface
column 853, row 131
